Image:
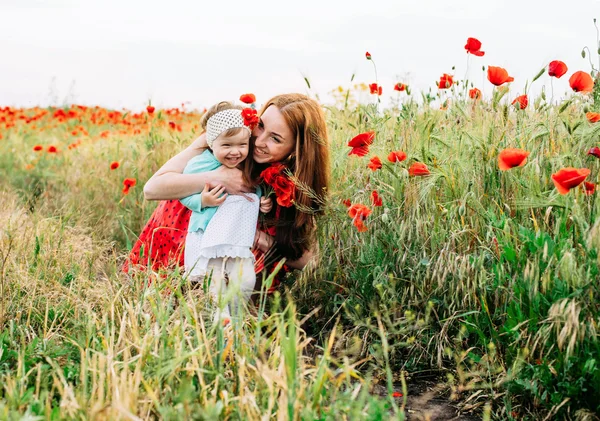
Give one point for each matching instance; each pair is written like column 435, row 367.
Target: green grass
column 487, row 280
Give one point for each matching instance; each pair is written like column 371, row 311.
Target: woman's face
column 274, row 139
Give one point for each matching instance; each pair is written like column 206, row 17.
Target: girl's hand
column 213, row 197
column 266, row 204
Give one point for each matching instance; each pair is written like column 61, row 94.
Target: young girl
column 222, row 228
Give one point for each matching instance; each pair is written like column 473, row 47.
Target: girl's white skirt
column 230, row 233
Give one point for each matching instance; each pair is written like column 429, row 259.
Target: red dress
column 161, row 243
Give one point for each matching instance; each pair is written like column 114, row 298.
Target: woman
column 292, row 131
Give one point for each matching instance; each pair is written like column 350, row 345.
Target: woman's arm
column 169, row 182
column 264, row 242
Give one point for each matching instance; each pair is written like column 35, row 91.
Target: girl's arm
column 169, row 182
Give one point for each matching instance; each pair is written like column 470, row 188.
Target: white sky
column 122, row 53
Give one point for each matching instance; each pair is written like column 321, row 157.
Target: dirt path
column 427, row 402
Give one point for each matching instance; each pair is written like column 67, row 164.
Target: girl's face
column 231, row 150
column 274, row 139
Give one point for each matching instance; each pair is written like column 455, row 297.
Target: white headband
column 222, row 121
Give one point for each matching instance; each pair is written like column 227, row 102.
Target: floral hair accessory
column 250, row 117
column 223, row 121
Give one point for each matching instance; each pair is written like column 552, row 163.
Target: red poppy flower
column 557, row 69
column 522, row 101
column 595, row 151
column 360, row 143
column 284, row 188
column 396, row 156
column 248, row 98
column 127, row 184
column 172, row 125
column 376, row 199
column 474, row 93
column 498, row 75
column 368, row 55
column 593, row 117
column 400, row 87
column 250, row 117
column 589, row 188
column 581, row 82
column 568, row 178
column 418, row 168
column 445, row 81
column 397, row 395
column 511, row 158
column 38, row 148
column 359, row 212
column 52, row 149
column 150, row 109
column 375, row 89
column 273, row 171
column 375, row 163
column 347, row 203
column 473, row 46
column 114, row 165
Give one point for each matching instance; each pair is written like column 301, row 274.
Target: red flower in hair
column 359, row 213
column 150, row 109
column 498, row 75
column 250, row 118
column 375, row 163
column 248, row 98
column 396, row 156
column 114, row 165
column 376, row 199
column 417, row 169
column 127, row 184
column 595, row 151
column 375, row 89
column 400, row 87
column 360, row 143
column 446, row 81
column 593, row 117
column 557, row 69
column 475, row 94
column 568, row 178
column 38, row 148
column 511, row 158
column 522, row 101
column 589, row 188
column 581, row 82
column 473, row 46
column 52, row 149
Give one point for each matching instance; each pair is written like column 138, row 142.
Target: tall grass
column 485, row 281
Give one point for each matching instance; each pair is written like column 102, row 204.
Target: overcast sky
column 122, row 53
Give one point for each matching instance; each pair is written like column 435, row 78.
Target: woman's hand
column 263, row 241
column 230, row 178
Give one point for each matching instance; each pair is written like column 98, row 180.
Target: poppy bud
column 453, row 67
column 385, row 218
column 461, row 210
column 583, row 53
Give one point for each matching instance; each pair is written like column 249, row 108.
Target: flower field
column 461, row 245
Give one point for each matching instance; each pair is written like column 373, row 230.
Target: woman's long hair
column 309, row 166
